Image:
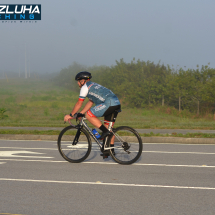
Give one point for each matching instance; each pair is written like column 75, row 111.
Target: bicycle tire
column 128, row 138
column 74, row 153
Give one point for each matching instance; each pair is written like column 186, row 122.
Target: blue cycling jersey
column 97, row 93
column 101, row 96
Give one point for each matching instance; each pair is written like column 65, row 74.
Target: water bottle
column 97, row 135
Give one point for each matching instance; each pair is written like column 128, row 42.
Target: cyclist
column 106, row 103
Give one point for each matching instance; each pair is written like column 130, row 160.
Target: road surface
column 168, row 179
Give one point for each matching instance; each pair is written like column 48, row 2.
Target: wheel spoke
column 74, row 152
column 127, row 145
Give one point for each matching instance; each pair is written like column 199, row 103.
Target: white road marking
column 53, row 141
column 29, row 148
column 2, row 162
column 112, row 163
column 169, row 152
column 165, row 165
column 176, row 165
column 110, row 184
column 14, row 154
column 95, row 148
column 181, row 144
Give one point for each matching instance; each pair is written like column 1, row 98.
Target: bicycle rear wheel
column 74, row 151
column 127, row 145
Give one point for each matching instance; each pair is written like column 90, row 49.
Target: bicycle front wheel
column 127, row 145
column 74, row 151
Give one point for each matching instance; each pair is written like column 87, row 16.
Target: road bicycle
column 124, row 144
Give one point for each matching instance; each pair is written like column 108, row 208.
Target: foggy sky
column 174, row 32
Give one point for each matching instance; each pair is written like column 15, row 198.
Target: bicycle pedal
column 105, row 155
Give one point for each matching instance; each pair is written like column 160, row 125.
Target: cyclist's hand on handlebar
column 78, row 115
column 75, row 116
column 67, row 118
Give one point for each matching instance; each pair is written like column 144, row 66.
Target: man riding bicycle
column 106, row 103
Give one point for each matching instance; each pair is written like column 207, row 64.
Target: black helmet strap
column 83, row 83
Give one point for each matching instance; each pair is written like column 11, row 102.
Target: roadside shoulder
column 181, row 140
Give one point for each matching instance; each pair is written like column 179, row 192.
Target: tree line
column 145, row 84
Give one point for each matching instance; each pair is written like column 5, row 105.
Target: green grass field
column 34, row 102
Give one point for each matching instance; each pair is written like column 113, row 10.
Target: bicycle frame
column 124, row 144
column 84, row 124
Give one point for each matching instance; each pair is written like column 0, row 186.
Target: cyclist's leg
column 103, row 109
column 98, row 111
column 110, row 116
column 93, row 119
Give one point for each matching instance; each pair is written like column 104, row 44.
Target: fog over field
column 179, row 33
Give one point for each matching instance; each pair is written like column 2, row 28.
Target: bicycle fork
column 76, row 139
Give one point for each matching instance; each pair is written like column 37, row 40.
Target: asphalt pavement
column 145, row 139
column 167, row 179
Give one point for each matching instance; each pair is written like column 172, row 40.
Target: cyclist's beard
column 82, row 85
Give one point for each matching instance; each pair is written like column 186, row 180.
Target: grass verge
column 40, row 103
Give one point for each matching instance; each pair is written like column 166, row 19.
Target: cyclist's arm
column 87, row 107
column 77, row 107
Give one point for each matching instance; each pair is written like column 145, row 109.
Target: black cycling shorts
column 110, row 114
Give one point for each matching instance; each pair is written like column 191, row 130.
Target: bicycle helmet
column 83, row 75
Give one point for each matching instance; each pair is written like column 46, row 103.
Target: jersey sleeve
column 83, row 93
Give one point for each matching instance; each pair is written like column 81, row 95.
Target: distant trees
column 142, row 84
